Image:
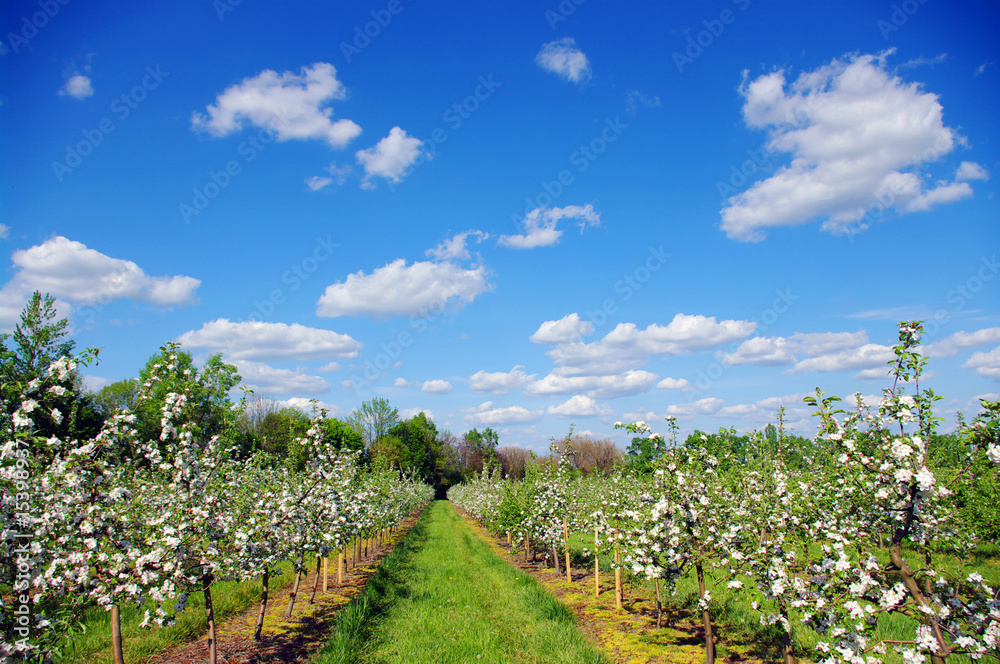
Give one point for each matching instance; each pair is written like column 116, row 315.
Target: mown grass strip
column 443, row 596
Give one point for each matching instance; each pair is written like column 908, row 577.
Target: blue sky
column 517, row 215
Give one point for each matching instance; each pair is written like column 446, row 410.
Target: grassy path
column 443, row 596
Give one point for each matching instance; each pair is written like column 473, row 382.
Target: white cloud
column 402, row 382
column 329, row 368
column 69, row 270
column 673, row 384
column 77, row 86
column 970, row 170
column 635, row 98
column 436, row 387
column 410, row 413
column 294, row 106
column 500, row 383
column 875, row 373
column 4, row 231
column 307, row 405
column 565, row 330
column 315, row 183
column 985, row 364
column 949, row 346
column 626, row 346
column 399, row 289
column 540, row 226
column 271, row 380
column 706, row 406
column 564, row 59
column 256, row 340
column 579, row 406
column 773, row 351
column 454, row 247
column 767, row 408
column 487, row 415
column 856, row 136
column 868, row 356
column 390, row 158
column 602, row 387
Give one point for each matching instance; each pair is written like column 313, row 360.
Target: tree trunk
column 213, row 646
column 312, row 596
column 340, row 568
column 786, row 634
column 597, row 567
column 706, row 618
column 265, row 581
column 618, row 581
column 555, row 558
column 910, row 581
column 295, row 592
column 116, row 635
column 569, row 571
column 659, row 606
column 326, row 573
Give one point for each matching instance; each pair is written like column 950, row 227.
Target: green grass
column 93, row 645
column 443, row 596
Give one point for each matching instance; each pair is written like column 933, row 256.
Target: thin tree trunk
column 706, row 618
column 326, row 573
column 597, row 567
column 312, row 596
column 213, row 646
column 526, row 546
column 340, row 568
column 265, row 581
column 618, row 581
column 569, row 571
column 786, row 635
column 294, row 594
column 555, row 558
column 659, row 606
column 116, row 635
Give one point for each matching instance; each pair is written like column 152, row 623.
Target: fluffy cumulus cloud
column 308, row 406
column 436, row 387
column 500, row 382
column 775, row 351
column 985, row 363
column 540, row 225
column 673, row 384
column 4, row 231
column 602, row 387
column 486, row 414
column 579, row 406
column 857, row 137
column 627, row 346
column 950, row 346
column 390, row 158
column 969, row 170
column 77, row 86
column 866, row 356
column 78, row 275
column 292, row 106
column 400, row 289
column 454, row 248
column 565, row 330
column 706, row 406
column 564, row 59
column 765, row 409
column 317, row 182
column 257, row 340
column 265, row 379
